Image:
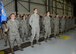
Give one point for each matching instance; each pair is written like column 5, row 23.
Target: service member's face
column 36, row 11
column 13, row 17
column 57, row 16
column 48, row 13
column 24, row 18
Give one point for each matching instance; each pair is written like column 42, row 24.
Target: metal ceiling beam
column 32, row 2
column 23, row 6
column 16, row 7
column 49, row 5
column 8, row 3
column 29, row 4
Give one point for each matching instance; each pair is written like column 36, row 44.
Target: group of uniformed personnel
column 29, row 27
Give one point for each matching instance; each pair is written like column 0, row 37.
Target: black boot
column 12, row 51
column 20, row 48
column 45, row 40
column 5, row 43
column 32, row 45
column 55, row 36
column 38, row 42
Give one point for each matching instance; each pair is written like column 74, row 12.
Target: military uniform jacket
column 34, row 20
column 13, row 27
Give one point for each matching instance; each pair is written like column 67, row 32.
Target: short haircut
column 34, row 8
column 12, row 14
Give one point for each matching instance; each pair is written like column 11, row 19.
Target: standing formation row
column 29, row 27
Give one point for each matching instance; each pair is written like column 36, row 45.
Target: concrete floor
column 54, row 46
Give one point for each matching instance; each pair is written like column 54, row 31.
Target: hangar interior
column 56, row 7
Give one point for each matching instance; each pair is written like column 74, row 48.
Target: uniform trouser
column 47, row 32
column 24, row 33
column 5, row 37
column 29, row 32
column 67, row 25
column 35, row 33
column 56, row 30
column 1, row 34
column 13, row 38
column 62, row 28
column 20, row 32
